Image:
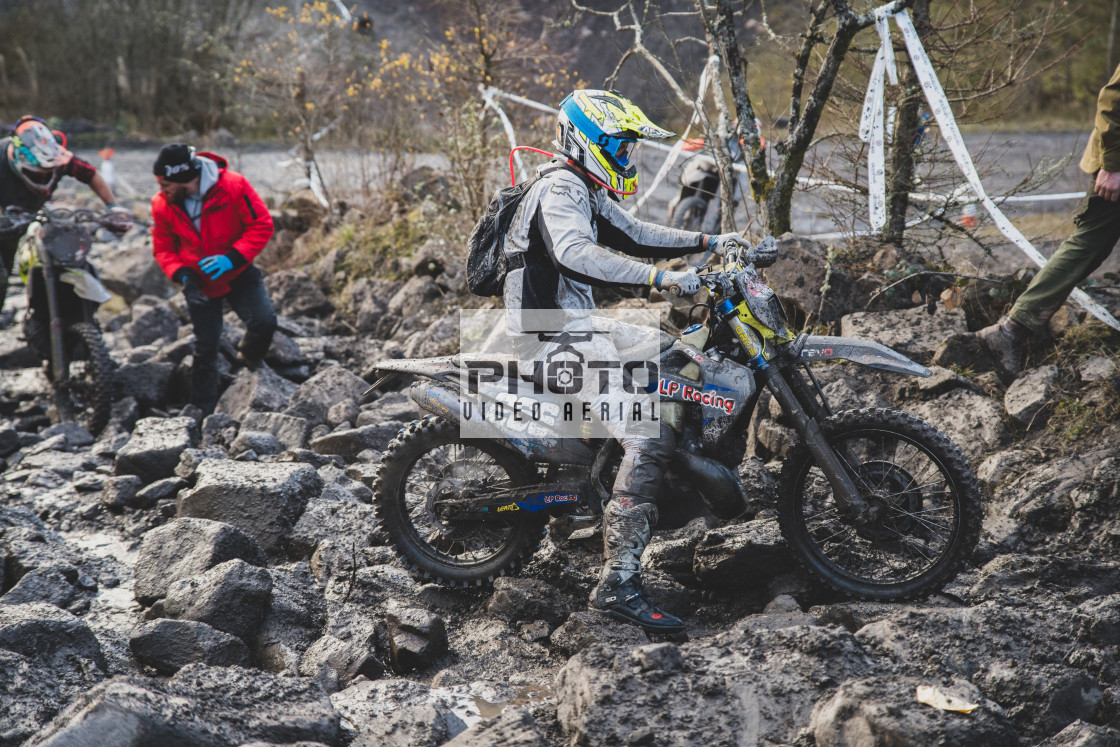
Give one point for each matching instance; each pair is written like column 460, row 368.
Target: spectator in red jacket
column 208, row 225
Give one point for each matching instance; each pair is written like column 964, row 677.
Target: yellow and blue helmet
column 600, row 131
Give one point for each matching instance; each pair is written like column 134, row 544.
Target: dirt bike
column 63, row 293
column 874, row 503
column 697, row 205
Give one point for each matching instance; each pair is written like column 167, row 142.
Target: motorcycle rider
column 36, row 159
column 555, row 248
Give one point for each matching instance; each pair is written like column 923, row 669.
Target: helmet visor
column 621, row 149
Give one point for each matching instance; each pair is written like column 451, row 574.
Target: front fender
column 444, row 369
column 864, row 352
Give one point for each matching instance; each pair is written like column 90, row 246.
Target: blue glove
column 216, row 266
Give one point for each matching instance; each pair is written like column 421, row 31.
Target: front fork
column 806, row 424
column 60, row 371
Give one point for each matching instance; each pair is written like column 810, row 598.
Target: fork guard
column 865, row 352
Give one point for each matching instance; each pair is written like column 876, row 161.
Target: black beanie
column 177, row 163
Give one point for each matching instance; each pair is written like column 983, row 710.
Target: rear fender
column 444, row 369
column 864, row 352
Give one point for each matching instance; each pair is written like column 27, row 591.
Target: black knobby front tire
column 89, row 392
column 426, row 544
column 688, row 215
column 933, row 523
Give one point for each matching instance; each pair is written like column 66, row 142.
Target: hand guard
column 678, row 283
column 764, row 254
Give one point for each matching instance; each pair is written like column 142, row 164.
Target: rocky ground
column 221, row 580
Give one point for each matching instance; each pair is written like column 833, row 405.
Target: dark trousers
column 1096, row 231
column 249, row 300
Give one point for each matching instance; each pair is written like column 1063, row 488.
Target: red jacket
column 233, row 217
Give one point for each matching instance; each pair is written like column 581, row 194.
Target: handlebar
column 15, row 220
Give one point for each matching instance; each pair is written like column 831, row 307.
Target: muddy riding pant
column 1096, row 231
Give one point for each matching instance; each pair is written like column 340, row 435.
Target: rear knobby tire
column 927, row 532
column 89, row 392
column 428, row 456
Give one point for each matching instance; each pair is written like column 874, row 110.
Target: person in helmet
column 557, row 250
column 36, row 159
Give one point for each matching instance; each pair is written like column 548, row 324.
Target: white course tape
column 952, row 137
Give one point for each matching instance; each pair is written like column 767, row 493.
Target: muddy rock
column 155, row 446
column 294, row 293
column 190, row 460
column 295, row 618
column 885, row 711
column 964, row 351
column 416, row 638
column 412, row 297
column 263, row 500
column 183, row 548
column 739, row 682
column 972, row 421
column 742, row 555
column 131, row 271
column 63, row 586
column 389, row 407
column 350, row 442
column 1082, row 734
column 262, row 390
column 583, row 629
column 169, row 645
column 912, row 332
column 147, row 382
column 231, row 597
column 47, row 657
column 151, row 324
column 322, row 391
column 1030, row 393
column 324, row 519
column 199, row 705
column 288, row 430
column 120, row 491
column 334, row 663
column 258, row 442
column 526, row 599
column 398, row 712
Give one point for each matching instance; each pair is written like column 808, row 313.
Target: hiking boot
column 250, row 363
column 1007, row 341
column 627, row 602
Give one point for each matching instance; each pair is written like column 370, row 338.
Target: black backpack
column 487, row 263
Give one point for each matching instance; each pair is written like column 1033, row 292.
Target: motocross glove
column 764, row 254
column 678, row 283
column 724, row 242
column 191, row 289
column 216, row 265
column 119, row 219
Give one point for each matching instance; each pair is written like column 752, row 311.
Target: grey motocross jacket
column 553, row 244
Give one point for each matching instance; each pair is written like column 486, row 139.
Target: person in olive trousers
column 1096, row 231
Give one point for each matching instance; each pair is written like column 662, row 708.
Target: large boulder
column 232, row 597
column 288, row 429
column 200, row 705
column 153, row 450
column 183, row 548
column 294, row 293
column 972, row 421
column 412, row 297
column 47, row 657
column 760, row 682
column 1029, row 395
column 294, row 619
column 169, row 645
column 350, row 442
column 148, row 382
column 262, row 390
column 912, row 332
column 131, row 271
column 742, row 555
column 263, row 500
column 322, row 391
column 151, row 323
column 885, row 711
column 803, row 266
column 369, row 298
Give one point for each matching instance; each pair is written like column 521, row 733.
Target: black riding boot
column 626, row 531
